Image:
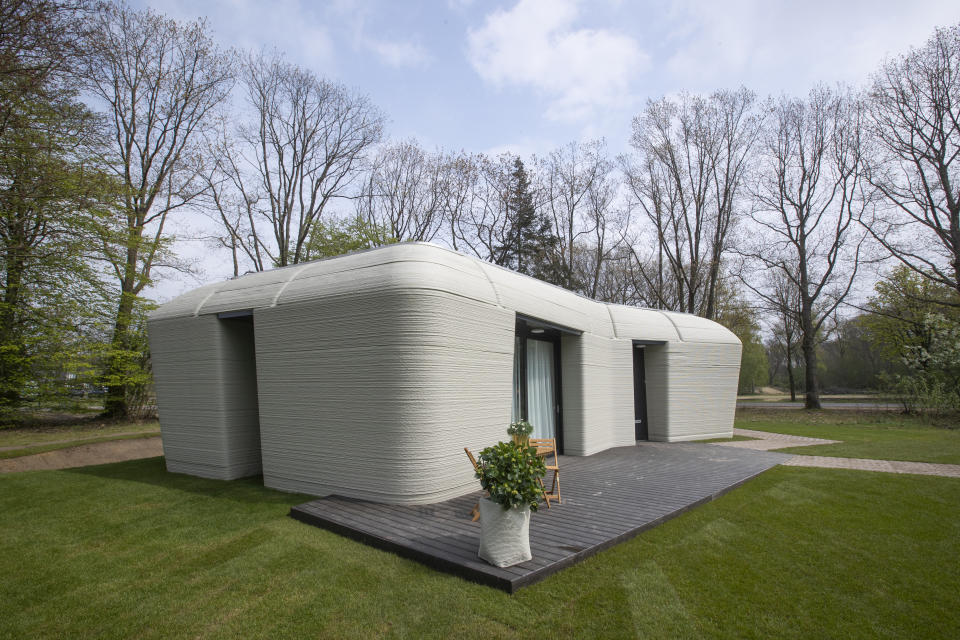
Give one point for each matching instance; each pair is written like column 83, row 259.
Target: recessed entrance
column 240, row 396
column 640, row 393
column 536, row 378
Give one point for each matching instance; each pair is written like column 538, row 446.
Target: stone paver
column 768, row 441
column 888, row 466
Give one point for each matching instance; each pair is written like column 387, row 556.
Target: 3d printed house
column 366, row 375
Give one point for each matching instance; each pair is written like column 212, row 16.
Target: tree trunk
column 115, row 405
column 808, row 347
column 12, row 355
column 793, row 383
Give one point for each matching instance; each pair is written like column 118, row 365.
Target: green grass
column 879, row 435
column 127, row 550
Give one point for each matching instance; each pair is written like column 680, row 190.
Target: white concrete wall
column 204, row 377
column 692, row 390
column 374, row 396
column 656, row 365
column 597, row 377
column 375, row 369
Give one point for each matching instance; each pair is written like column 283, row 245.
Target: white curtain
column 540, row 392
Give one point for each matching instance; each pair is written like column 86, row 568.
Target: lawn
column 128, row 550
column 882, row 435
column 22, row 441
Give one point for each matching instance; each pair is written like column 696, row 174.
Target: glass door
column 537, row 395
column 541, row 389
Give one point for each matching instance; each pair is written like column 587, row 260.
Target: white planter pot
column 504, row 534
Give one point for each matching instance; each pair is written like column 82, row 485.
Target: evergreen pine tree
column 529, row 242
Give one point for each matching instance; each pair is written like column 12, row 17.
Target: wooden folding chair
column 475, row 512
column 545, row 447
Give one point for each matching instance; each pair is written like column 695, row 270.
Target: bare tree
column 810, row 191
column 694, row 154
column 159, row 81
column 915, row 119
column 405, row 192
column 461, row 194
column 482, row 224
column 228, row 201
column 783, row 303
column 303, row 148
column 567, row 178
column 595, row 252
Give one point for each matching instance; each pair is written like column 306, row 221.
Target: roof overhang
column 537, row 323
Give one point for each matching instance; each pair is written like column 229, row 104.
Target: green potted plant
column 510, row 473
column 520, row 432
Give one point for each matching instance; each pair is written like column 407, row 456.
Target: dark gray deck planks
column 608, row 497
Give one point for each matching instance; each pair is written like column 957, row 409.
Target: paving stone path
column 766, row 441
column 889, row 466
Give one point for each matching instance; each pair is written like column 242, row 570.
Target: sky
column 528, row 76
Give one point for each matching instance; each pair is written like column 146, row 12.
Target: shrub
column 520, row 429
column 511, row 474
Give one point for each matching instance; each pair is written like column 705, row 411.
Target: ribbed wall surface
column 206, row 389
column 374, row 370
column 375, row 396
column 597, row 376
column 701, row 391
column 656, row 361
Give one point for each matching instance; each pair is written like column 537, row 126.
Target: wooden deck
column 607, row 498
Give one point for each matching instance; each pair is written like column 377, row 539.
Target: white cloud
column 772, row 46
column 397, row 53
column 537, row 44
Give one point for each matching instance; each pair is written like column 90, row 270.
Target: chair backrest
column 473, row 460
column 545, row 447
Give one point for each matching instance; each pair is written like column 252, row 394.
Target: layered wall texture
column 205, row 378
column 366, row 375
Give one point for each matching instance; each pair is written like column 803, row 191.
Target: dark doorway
column 536, row 378
column 241, row 406
column 639, row 394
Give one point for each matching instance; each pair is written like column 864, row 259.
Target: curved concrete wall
column 375, row 396
column 205, row 383
column 375, row 369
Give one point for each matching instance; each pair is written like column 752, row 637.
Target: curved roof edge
column 423, row 265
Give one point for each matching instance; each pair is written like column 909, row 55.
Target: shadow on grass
column 153, row 471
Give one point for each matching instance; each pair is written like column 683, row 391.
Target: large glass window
column 541, row 405
column 536, row 379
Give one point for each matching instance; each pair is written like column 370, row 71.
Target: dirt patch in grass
column 85, row 455
column 23, row 437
